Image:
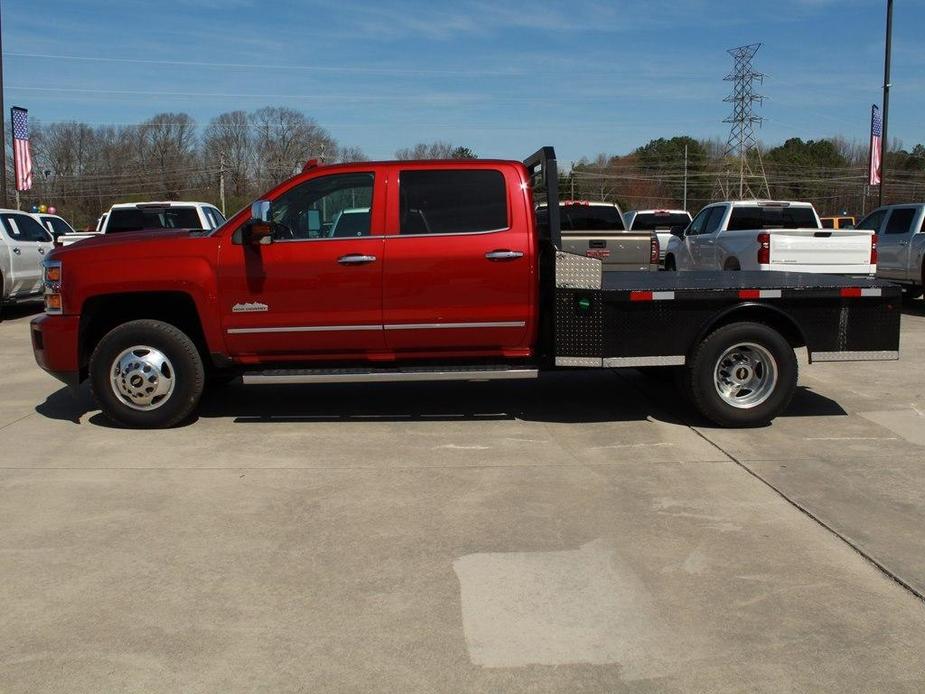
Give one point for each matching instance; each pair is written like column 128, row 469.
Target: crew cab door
column 27, row 243
column 894, row 241
column 460, row 262
column 706, row 249
column 693, row 241
column 315, row 290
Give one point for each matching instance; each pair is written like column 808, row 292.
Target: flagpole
column 886, row 94
column 2, row 126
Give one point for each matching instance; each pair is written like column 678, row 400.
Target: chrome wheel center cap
column 142, row 377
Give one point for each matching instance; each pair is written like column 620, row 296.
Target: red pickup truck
column 428, row 270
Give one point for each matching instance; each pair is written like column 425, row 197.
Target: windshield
column 748, row 218
column 57, row 226
column 649, row 221
column 136, row 219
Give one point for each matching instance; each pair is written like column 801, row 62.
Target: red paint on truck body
column 423, row 297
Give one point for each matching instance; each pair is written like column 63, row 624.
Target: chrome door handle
column 17, row 251
column 903, row 243
column 42, row 251
column 502, row 255
column 356, row 259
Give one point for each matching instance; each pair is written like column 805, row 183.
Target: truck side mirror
column 259, row 230
column 260, row 210
column 678, row 231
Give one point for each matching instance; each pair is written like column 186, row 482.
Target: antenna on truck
column 544, row 174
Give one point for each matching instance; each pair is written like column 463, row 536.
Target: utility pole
column 221, row 183
column 685, row 177
column 2, row 125
column 886, row 93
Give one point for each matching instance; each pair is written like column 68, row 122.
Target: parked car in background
column 837, row 222
column 142, row 216
column 659, row 221
column 24, row 243
column 56, row 225
column 901, row 245
column 770, row 235
column 596, row 230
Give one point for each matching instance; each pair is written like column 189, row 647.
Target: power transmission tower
column 742, row 142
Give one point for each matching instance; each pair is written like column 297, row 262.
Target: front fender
column 191, row 275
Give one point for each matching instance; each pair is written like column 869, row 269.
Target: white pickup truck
column 770, row 235
column 901, row 245
column 24, row 244
column 139, row 216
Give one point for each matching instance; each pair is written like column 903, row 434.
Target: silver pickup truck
column 596, row 230
column 901, row 245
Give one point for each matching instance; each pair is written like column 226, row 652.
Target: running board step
column 483, row 373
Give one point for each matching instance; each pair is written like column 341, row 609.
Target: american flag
column 22, row 157
column 876, row 145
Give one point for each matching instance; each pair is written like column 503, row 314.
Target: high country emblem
column 250, row 307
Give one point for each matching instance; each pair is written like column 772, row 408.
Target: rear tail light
column 654, row 251
column 764, row 248
column 874, row 255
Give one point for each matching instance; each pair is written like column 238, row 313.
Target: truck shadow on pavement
column 14, row 311
column 914, row 308
column 579, row 397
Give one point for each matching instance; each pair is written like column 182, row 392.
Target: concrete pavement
column 583, row 533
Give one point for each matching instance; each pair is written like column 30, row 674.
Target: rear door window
column 452, row 201
column 696, row 227
column 873, row 221
column 715, row 220
column 900, row 221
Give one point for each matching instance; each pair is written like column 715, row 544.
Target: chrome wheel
column 745, row 375
column 142, row 378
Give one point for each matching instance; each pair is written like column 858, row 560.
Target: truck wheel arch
column 731, row 264
column 754, row 313
column 103, row 312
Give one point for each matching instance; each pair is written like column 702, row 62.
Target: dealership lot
column 583, row 532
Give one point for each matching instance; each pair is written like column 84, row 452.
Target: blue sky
column 502, row 77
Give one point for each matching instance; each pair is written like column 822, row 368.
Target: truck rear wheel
column 147, row 374
column 742, row 375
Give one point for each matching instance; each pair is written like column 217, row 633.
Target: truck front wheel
column 742, row 375
column 146, row 374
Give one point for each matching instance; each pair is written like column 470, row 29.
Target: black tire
column 911, row 292
column 700, row 380
column 670, row 265
column 186, row 372
column 732, row 265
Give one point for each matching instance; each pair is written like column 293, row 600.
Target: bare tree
column 352, row 153
column 228, row 140
column 166, row 147
column 284, row 139
column 427, row 150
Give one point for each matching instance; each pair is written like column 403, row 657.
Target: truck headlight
column 52, row 274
